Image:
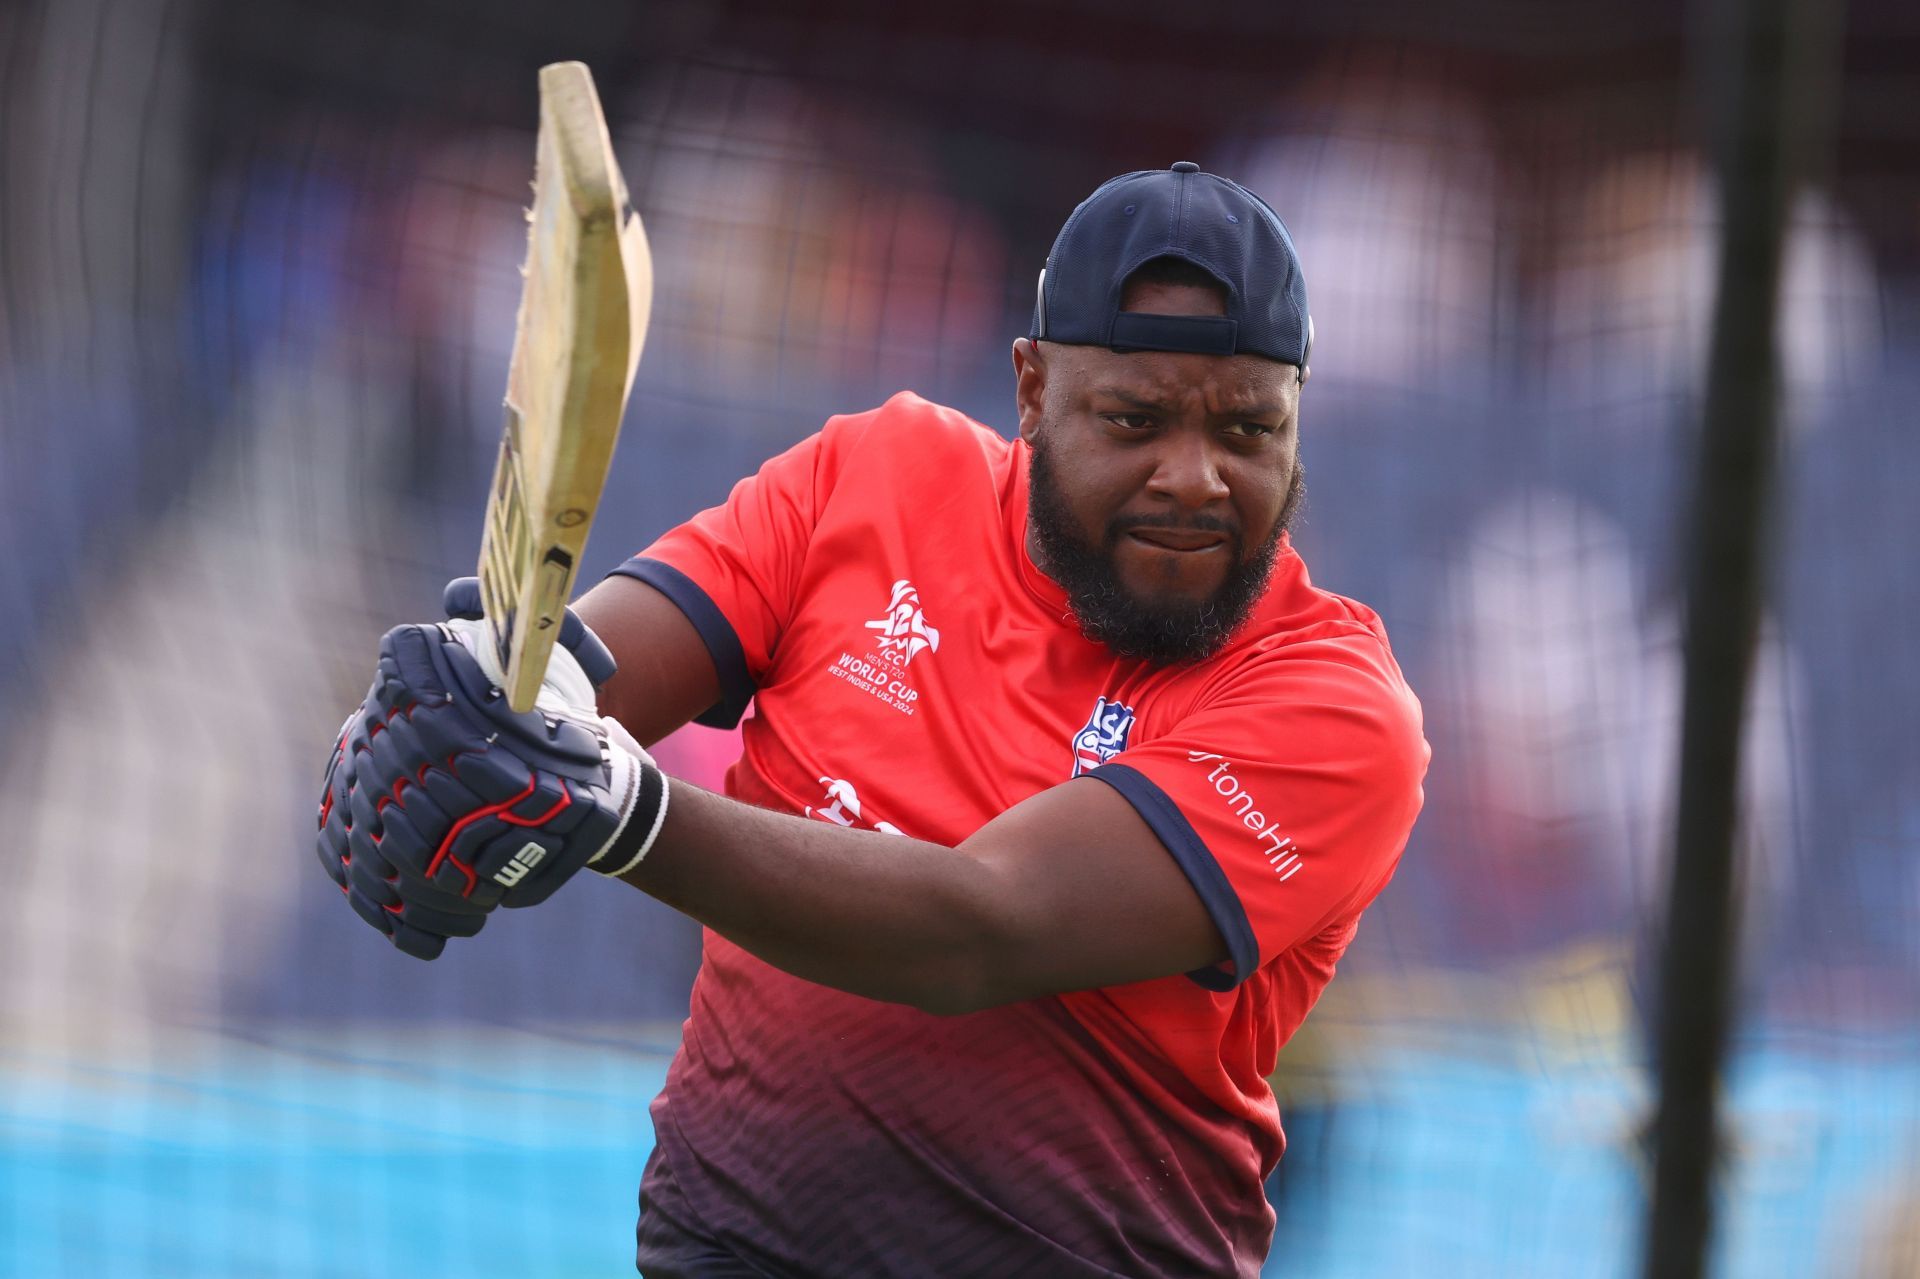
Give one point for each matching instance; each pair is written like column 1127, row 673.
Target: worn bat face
column 588, row 286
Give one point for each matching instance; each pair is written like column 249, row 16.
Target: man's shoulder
column 1305, row 641
column 1294, row 612
column 910, row 428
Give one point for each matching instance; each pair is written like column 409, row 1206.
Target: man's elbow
column 948, row 1003
column 975, row 974
column 958, row 996
column 994, row 934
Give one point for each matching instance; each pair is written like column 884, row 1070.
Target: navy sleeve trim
column 736, row 685
column 1202, row 871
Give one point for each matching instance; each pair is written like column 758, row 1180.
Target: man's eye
column 1130, row 421
column 1250, row 430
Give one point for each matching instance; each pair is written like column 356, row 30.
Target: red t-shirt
column 911, row 670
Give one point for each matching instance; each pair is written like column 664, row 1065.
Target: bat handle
column 461, row 598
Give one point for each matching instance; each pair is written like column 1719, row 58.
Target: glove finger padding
column 421, row 945
column 331, row 842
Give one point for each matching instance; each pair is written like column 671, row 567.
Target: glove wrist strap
column 640, row 827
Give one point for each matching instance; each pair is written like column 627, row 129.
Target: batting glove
column 442, row 803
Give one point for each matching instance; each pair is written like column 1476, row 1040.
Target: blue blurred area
column 511, row 1156
column 257, row 288
column 472, row 1156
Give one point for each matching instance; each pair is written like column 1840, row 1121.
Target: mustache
column 1192, row 524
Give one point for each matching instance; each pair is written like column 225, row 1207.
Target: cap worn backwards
column 1212, row 222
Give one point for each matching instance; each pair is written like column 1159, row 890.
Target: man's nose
column 1187, row 471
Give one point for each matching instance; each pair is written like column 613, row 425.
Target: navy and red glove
column 442, row 803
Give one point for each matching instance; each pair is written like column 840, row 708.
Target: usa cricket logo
column 904, row 633
column 1104, row 736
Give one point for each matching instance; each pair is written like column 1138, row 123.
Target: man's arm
column 1067, row 890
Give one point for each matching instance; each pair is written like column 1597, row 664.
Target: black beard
column 1158, row 633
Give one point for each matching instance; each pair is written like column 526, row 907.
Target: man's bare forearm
column 878, row 915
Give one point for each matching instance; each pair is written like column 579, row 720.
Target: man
column 1063, row 792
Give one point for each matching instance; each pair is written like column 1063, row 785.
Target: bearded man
column 1063, row 791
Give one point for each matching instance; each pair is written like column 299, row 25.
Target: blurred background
column 257, row 286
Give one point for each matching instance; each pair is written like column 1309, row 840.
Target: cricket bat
column 586, row 290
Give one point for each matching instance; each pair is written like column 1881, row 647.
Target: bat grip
column 461, row 598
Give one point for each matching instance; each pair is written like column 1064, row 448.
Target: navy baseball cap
column 1212, row 222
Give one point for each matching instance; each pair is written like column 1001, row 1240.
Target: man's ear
column 1029, row 385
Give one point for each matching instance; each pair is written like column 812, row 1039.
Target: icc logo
column 1104, row 736
column 904, row 633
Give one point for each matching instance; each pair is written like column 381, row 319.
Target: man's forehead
column 1228, row 382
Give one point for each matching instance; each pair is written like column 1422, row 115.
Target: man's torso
column 926, row 678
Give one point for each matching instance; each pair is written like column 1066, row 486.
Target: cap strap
column 1200, row 334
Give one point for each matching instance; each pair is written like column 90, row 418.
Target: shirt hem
column 716, row 632
column 1201, row 868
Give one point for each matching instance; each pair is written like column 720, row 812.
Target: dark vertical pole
column 1768, row 64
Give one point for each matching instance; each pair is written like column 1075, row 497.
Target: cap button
column 1185, row 166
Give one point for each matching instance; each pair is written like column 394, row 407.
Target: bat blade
column 584, row 301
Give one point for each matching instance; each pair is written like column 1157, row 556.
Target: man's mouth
column 1177, row 539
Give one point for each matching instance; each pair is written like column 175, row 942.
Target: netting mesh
column 257, row 283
